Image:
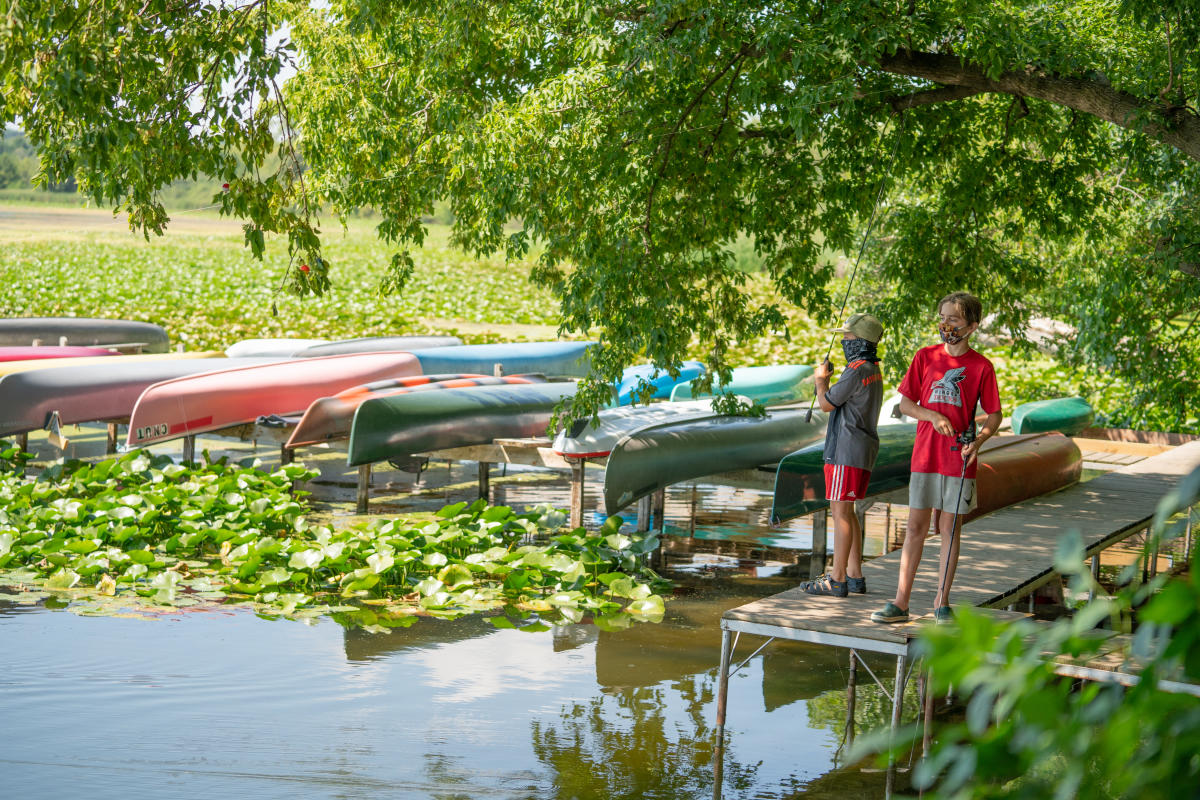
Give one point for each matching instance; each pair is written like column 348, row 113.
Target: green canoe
column 656, row 456
column 1067, row 415
column 785, row 383
column 800, row 479
column 399, row 425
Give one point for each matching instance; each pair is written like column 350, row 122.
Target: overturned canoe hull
column 103, row 391
column 586, row 439
column 378, row 344
column 419, row 422
column 1067, row 415
column 51, row 352
column 13, row 367
column 800, row 478
column 274, row 348
column 216, row 400
column 554, row 359
column 330, row 418
column 82, row 331
column 777, row 385
column 1016, row 468
column 658, row 456
column 660, row 379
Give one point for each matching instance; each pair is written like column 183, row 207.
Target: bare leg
column 910, row 556
column 945, row 522
column 846, row 549
column 847, row 539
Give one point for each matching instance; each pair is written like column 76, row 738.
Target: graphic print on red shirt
column 950, row 385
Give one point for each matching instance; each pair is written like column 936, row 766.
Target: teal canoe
column 552, row 359
column 771, row 386
column 397, row 426
column 1067, row 415
column 657, row 456
column 800, row 479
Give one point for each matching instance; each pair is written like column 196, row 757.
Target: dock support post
column 364, row 489
column 23, row 442
column 1095, row 577
column 851, row 696
column 110, row 443
column 723, row 684
column 643, row 514
column 189, row 449
column 897, row 708
column 926, row 712
column 1153, row 556
column 485, row 474
column 819, row 543
column 575, row 518
column 660, row 502
column 286, row 455
column 692, row 515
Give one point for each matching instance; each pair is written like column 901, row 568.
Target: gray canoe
column 658, row 456
column 94, row 392
column 396, row 426
column 378, row 344
column 82, row 331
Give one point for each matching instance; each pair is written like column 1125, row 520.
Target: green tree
column 1042, row 154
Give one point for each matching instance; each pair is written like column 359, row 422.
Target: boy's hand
column 941, row 424
column 824, row 370
column 971, row 451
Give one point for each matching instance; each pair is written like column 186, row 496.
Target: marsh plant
column 136, row 533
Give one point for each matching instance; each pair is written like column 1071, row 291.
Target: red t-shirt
column 950, row 385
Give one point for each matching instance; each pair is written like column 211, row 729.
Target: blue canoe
column 553, row 359
column 657, row 377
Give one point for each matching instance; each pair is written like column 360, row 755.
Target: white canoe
column 216, row 400
column 586, row 439
column 282, row 348
column 12, row 367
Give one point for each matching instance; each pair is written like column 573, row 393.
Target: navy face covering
column 856, row 349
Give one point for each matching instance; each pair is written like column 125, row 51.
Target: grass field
column 200, row 283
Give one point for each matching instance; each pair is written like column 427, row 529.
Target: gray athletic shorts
column 930, row 490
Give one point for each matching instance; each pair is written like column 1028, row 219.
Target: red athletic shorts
column 846, row 483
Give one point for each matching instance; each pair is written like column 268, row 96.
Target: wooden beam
column 575, row 513
column 485, row 474
column 362, row 505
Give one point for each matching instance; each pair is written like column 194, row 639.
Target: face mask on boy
column 949, row 333
column 856, row 349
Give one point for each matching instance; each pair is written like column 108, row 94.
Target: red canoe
column 1016, row 468
column 222, row 399
column 330, row 417
column 51, row 351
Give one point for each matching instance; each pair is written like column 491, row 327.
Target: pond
column 221, row 701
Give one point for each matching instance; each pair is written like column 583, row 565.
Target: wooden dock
column 1004, row 557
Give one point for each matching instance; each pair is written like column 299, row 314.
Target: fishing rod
column 862, row 249
column 965, row 438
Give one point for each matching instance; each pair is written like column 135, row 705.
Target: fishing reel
column 965, row 437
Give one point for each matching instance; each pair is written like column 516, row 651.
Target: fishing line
column 863, row 248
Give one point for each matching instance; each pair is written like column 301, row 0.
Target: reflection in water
column 231, row 704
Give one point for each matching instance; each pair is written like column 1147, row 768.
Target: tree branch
column 931, row 96
column 1169, row 124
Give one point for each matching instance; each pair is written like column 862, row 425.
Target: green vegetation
column 1029, row 733
column 139, row 530
column 1046, row 157
column 208, row 292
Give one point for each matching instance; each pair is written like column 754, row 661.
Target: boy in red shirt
column 940, row 390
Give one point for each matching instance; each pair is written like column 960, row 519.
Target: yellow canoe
column 9, row 367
